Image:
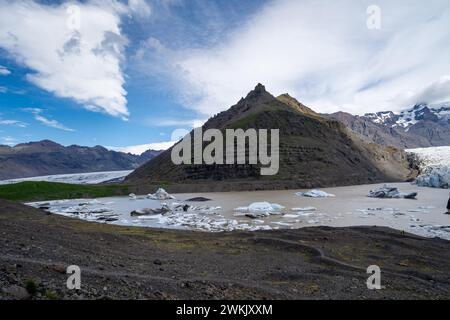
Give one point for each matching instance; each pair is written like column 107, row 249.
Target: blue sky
column 128, row 73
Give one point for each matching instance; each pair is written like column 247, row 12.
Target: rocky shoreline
column 141, row 263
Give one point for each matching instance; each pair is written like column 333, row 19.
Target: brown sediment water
column 350, row 207
column 342, row 210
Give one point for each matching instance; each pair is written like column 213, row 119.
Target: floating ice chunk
column 160, row 194
column 305, row 214
column 304, row 209
column 315, row 193
column 259, row 210
column 154, row 217
column 257, row 214
column 148, row 212
column 418, row 210
column 276, row 206
column 391, row 193
column 283, row 224
column 258, row 221
column 264, row 206
column 291, row 216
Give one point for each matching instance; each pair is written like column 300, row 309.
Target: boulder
column 17, row 292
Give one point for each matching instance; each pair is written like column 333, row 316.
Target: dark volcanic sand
column 129, row 263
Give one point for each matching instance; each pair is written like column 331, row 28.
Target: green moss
column 31, row 287
column 51, row 295
column 40, row 191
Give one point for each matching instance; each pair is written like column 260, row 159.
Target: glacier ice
column 434, row 166
column 160, row 194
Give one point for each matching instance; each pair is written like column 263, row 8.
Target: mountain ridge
column 47, row 157
column 421, row 126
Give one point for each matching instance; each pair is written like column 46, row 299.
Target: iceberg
column 259, row 210
column 390, row 193
column 160, row 194
column 315, row 193
column 261, row 207
column 304, row 209
column 132, row 196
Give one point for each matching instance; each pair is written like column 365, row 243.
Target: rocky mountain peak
column 258, row 94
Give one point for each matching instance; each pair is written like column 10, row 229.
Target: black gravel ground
column 137, row 263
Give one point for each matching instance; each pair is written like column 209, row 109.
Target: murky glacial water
column 350, row 207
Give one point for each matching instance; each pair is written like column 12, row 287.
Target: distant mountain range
column 49, row 158
column 421, row 126
column 315, row 151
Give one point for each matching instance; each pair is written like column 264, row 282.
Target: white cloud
column 15, row 123
column 4, row 71
column 140, row 8
column 319, row 51
column 437, row 91
column 46, row 121
column 9, row 141
column 191, row 123
column 52, row 123
column 74, row 49
column 139, row 149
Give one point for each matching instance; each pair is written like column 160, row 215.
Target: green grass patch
column 41, row 191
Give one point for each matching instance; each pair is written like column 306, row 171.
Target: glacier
column 76, row 178
column 434, row 166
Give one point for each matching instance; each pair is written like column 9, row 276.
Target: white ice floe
column 304, row 209
column 160, row 194
column 315, row 193
column 282, row 224
column 431, row 231
column 85, row 210
column 390, row 192
column 259, row 210
column 291, row 216
column 169, row 215
column 205, row 223
column 434, row 166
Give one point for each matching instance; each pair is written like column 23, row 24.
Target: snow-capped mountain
column 424, row 125
column 408, row 118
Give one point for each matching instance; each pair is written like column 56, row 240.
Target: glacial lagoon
column 226, row 211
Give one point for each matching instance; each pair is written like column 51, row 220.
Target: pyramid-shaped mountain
column 315, row 151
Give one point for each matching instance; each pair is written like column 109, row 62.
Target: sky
column 136, row 74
